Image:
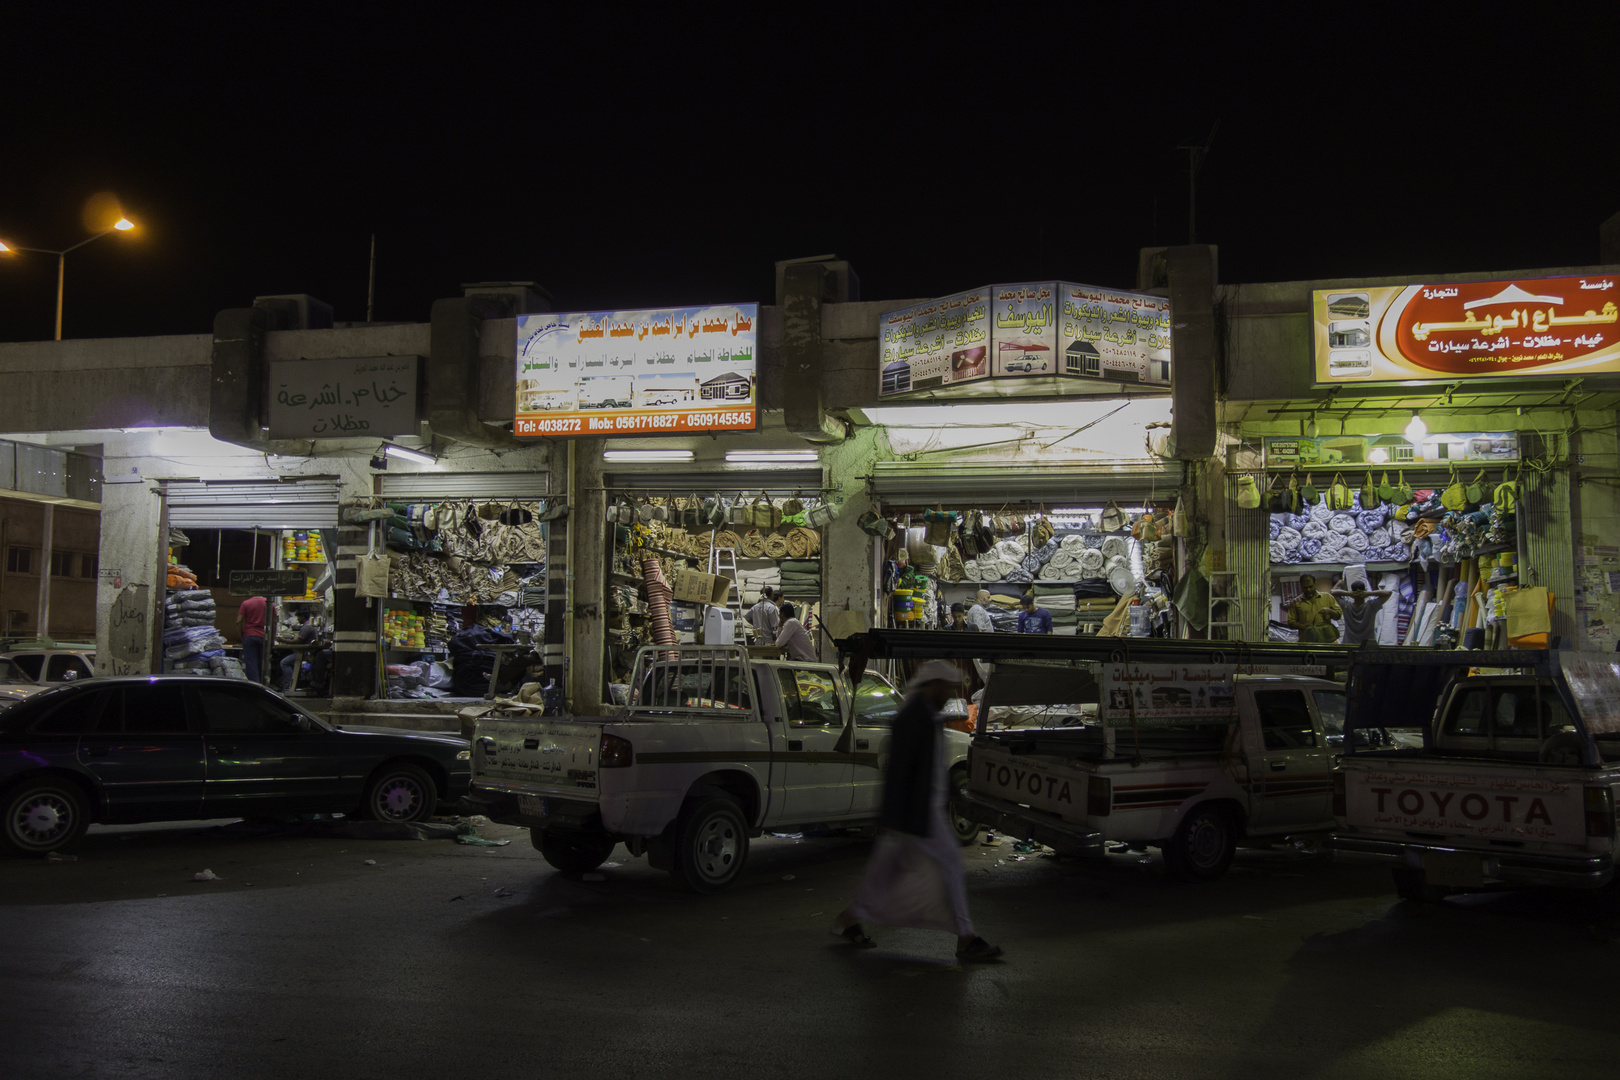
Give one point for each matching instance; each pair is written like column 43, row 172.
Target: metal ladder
column 1233, row 601
column 723, row 562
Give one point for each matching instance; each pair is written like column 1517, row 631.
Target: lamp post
column 123, row 224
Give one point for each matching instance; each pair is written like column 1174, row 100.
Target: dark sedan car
column 175, row 747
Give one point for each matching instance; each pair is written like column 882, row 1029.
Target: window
column 152, row 709
column 19, row 560
column 245, row 711
column 78, row 714
column 30, row 663
column 809, row 698
column 62, row 563
column 1330, row 707
column 65, row 667
column 876, row 702
column 1468, row 716
column 89, row 565
column 1285, row 723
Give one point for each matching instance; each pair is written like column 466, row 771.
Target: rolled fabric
column 1371, row 519
column 1289, row 538
column 1279, row 554
column 1092, row 540
column 1031, row 562
column 1073, row 542
column 1046, row 550
column 1050, row 572
column 727, row 539
column 1379, row 537
column 1115, row 545
column 752, row 545
column 776, row 546
column 1314, row 530
column 1343, row 523
column 1309, row 549
column 1356, row 541
column 1091, row 561
column 970, row 568
column 1276, row 527
column 1019, row 574
column 1321, row 512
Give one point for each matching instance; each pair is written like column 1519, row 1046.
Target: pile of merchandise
column 191, row 643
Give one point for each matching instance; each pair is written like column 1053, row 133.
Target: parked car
column 177, row 747
column 51, row 666
column 15, row 684
column 1027, row 365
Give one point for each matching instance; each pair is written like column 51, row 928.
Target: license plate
column 1455, row 868
column 532, row 806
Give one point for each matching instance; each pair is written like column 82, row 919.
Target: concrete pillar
column 848, row 561
column 133, row 557
column 587, row 571
column 46, row 539
column 354, row 617
column 554, row 653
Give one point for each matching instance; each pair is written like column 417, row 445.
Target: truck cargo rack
column 884, row 644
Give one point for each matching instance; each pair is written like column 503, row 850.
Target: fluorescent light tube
column 421, row 456
column 646, row 455
column 766, row 457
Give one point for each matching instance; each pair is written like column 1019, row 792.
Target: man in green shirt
column 1314, row 613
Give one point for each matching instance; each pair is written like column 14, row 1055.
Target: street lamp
column 123, row 224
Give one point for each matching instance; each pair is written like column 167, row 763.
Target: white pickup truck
column 1513, row 775
column 1196, row 788
column 714, row 748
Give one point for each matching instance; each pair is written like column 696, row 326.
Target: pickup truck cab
column 714, row 748
column 1507, row 775
column 1257, row 772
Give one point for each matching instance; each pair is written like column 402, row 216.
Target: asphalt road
column 324, row 957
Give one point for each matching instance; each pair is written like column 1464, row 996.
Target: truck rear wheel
column 1412, row 885
column 711, row 844
column 964, row 828
column 1203, row 846
column 574, row 853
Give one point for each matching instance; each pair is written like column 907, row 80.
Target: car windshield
column 12, row 675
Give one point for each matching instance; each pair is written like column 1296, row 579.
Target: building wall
column 74, row 532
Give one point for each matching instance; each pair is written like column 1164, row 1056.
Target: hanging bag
column 1113, row 518
column 1386, row 490
column 1403, row 490
column 1506, row 495
column 1042, row 531
column 1248, row 493
column 1178, row 520
column 1277, row 496
column 764, row 514
column 1339, row 497
column 1308, row 495
column 937, row 526
column 1475, row 491
column 1369, row 492
column 1454, row 498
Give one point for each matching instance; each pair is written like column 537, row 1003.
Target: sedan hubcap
column 42, row 819
column 398, row 799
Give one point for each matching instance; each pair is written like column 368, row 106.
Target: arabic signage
column 1161, row 695
column 1394, row 451
column 1027, row 331
column 637, row 372
column 1467, row 330
column 335, row 399
column 268, row 583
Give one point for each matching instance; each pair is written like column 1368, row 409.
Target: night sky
column 670, row 156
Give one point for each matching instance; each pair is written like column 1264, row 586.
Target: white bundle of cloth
column 1379, row 537
column 1074, row 542
column 970, row 567
column 1278, row 552
column 1332, row 548
column 1321, row 512
column 1356, row 541
column 749, row 582
column 1314, row 530
column 1061, row 604
column 1344, row 524
column 1091, row 562
column 1115, row 545
column 1288, row 538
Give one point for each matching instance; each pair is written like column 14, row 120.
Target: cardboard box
column 700, row 588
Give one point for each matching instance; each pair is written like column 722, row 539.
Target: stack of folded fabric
column 749, row 582
column 188, row 649
column 801, row 577
column 185, row 608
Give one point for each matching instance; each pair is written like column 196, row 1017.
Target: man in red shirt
column 250, row 621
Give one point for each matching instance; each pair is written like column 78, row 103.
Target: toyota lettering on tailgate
column 1518, row 807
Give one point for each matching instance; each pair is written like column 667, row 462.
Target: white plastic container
column 719, row 626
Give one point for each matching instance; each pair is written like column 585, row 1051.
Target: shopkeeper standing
column 1314, row 613
column 763, row 616
column 250, row 622
column 1034, row 620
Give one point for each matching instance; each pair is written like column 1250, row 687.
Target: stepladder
column 723, row 563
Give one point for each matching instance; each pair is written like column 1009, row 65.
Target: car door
column 873, row 706
column 1290, row 783
column 66, row 667
column 146, row 751
column 267, row 757
column 816, row 774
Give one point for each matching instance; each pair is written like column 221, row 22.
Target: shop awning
column 444, row 487
column 901, row 483
column 298, row 503
column 728, row 482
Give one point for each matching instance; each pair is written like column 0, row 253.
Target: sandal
column 978, row 950
column 855, row 936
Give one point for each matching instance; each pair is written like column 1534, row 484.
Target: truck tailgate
column 533, row 756
column 1054, row 784
column 1464, row 803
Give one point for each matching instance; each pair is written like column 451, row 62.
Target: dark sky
column 641, row 157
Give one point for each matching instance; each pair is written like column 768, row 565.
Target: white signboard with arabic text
column 1166, row 694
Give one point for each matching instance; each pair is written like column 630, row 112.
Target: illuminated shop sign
column 1394, row 451
column 1037, row 330
column 668, row 371
column 1467, row 330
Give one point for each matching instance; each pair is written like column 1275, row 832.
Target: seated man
column 308, row 634
column 793, row 638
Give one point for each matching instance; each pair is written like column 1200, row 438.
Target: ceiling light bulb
column 1416, row 429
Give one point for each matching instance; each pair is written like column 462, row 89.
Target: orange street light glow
column 123, row 224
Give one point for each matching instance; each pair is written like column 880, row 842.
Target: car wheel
column 965, row 829
column 711, row 844
column 1203, row 846
column 1412, row 886
column 400, row 792
column 574, row 853
column 43, row 816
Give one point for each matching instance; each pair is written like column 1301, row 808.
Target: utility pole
column 1195, row 161
column 371, row 279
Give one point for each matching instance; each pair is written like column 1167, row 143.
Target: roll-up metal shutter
column 306, row 502
column 901, row 482
column 783, row 481
column 436, row 486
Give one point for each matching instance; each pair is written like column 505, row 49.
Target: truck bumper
column 508, row 808
column 1497, row 867
column 1026, row 824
